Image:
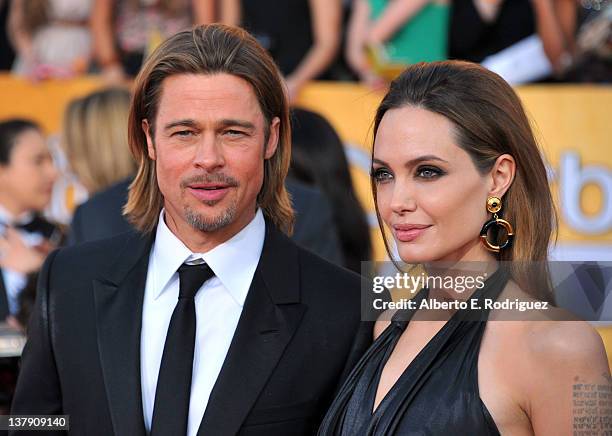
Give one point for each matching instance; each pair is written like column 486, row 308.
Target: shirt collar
column 234, row 261
column 8, row 218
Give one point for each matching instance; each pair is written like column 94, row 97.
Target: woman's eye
column 381, row 175
column 429, row 172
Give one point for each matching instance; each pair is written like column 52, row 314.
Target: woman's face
column 27, row 181
column 429, row 193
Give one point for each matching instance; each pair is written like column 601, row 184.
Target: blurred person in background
column 95, row 138
column 303, row 36
column 318, row 159
column 7, row 54
column 522, row 40
column 96, row 145
column 51, row 37
column 398, row 32
column 125, row 31
column 27, row 174
column 593, row 58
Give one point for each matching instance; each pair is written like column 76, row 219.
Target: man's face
column 209, row 144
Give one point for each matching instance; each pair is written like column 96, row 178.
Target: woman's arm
column 395, row 15
column 101, row 24
column 230, row 12
column 19, row 36
column 204, row 11
column 356, row 38
column 570, row 385
column 554, row 29
column 326, row 23
column 567, row 14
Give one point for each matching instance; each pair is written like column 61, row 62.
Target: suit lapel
column 118, row 298
column 270, row 316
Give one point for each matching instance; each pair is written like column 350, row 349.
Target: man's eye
column 235, row 133
column 429, row 172
column 381, row 175
column 183, row 133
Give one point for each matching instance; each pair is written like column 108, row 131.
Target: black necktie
column 171, row 408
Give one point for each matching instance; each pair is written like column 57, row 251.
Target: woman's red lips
column 409, row 232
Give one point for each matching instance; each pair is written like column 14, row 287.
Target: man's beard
column 203, row 224
column 197, row 220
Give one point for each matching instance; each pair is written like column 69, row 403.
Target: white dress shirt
column 218, row 308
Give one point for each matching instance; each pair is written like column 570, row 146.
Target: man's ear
column 273, row 138
column 502, row 175
column 147, row 129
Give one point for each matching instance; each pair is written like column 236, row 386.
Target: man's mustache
column 210, row 178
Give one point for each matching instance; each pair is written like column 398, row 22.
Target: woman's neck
column 466, row 269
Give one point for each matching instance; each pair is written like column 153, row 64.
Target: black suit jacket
column 299, row 331
column 100, row 217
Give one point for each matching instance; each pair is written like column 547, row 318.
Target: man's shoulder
column 332, row 292
column 313, row 267
column 312, row 262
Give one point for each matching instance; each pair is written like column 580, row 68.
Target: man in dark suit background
column 101, row 217
column 208, row 320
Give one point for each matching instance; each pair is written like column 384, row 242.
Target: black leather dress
column 438, row 392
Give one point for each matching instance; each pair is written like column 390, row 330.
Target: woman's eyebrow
column 412, row 162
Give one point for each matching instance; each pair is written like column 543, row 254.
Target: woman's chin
column 415, row 256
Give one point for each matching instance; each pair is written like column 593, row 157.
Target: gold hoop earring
column 494, row 205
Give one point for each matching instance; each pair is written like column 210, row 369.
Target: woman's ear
column 502, row 175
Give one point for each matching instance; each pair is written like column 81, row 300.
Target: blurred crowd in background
column 365, row 40
column 369, row 41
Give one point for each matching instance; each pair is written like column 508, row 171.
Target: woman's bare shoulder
column 546, row 334
column 565, row 361
column 547, row 351
column 571, row 342
column 518, row 305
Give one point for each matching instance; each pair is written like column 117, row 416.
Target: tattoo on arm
column 592, row 408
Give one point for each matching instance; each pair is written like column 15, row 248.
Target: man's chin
column 209, row 222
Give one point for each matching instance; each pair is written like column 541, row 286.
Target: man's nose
column 209, row 153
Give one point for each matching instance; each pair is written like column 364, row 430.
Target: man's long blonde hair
column 209, row 49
